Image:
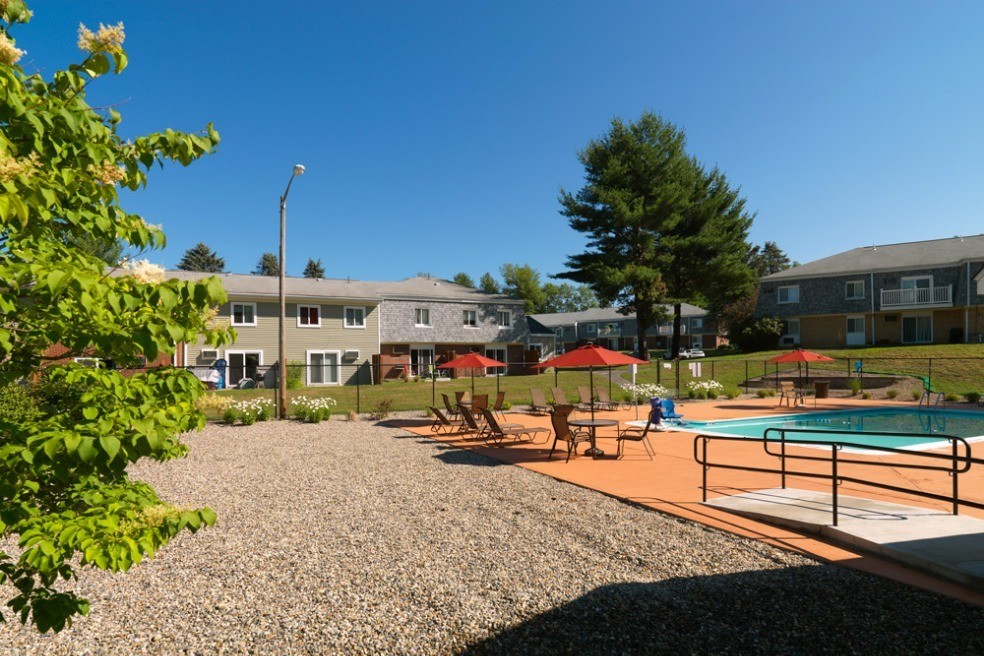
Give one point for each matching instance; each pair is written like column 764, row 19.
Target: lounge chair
column 498, row 408
column 563, row 433
column 497, row 433
column 636, row 434
column 441, row 425
column 604, row 400
column 538, row 401
column 470, row 423
column 452, row 410
column 559, row 396
column 585, row 399
column 790, row 393
column 667, row 410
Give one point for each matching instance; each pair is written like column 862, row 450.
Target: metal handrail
column 958, row 463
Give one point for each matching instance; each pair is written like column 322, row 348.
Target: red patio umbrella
column 590, row 356
column 800, row 356
column 471, row 361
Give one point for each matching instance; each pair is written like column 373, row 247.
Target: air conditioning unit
column 209, row 354
column 350, row 355
column 788, row 340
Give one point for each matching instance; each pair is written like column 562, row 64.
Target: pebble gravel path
column 355, row 538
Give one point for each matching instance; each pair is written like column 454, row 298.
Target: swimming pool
column 925, row 425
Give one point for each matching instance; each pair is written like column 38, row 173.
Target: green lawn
column 957, row 368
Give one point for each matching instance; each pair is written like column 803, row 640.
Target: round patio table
column 592, row 425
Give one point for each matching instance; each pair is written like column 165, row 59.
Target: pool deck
column 670, row 483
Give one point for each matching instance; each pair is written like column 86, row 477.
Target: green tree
column 566, row 297
column 489, row 284
column 768, row 259
column 463, row 279
column 523, row 281
column 201, row 258
column 268, row 265
column 314, row 269
column 110, row 252
column 636, row 186
column 65, row 496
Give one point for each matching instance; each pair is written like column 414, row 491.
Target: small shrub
column 248, row 412
column 866, row 395
column 973, row 397
column 352, row 416
column 765, row 392
column 892, row 393
column 382, row 410
column 733, row 393
column 506, row 405
column 952, row 398
column 643, row 392
column 855, row 387
column 916, row 395
column 312, row 410
column 248, row 418
column 215, row 403
column 295, row 374
column 230, row 415
column 704, row 389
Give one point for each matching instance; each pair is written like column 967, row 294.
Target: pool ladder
column 932, row 400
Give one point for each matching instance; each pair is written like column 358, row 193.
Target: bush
column 973, row 397
column 892, row 393
column 866, row 395
column 733, row 393
column 312, row 410
column 17, row 405
column 704, row 389
column 382, row 410
column 765, row 392
column 248, row 412
column 643, row 392
column 230, row 415
column 855, row 387
column 506, row 405
column 952, row 398
column 352, row 416
column 295, row 374
column 916, row 395
column 214, row 403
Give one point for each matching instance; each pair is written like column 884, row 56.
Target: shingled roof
column 606, row 314
column 889, row 257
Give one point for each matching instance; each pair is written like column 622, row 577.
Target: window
column 855, row 331
column 590, row 328
column 917, row 330
column 244, row 314
column 789, row 294
column 505, row 319
column 791, row 332
column 696, row 323
column 422, row 317
column 92, row 363
column 322, row 368
column 470, row 319
column 308, row 316
column 355, row 317
column 854, row 289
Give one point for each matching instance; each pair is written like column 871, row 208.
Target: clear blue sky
column 436, row 134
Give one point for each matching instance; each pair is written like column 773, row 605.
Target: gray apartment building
column 925, row 292
column 609, row 328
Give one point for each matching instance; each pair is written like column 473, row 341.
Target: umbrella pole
column 591, row 379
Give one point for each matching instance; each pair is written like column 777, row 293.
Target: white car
column 695, row 353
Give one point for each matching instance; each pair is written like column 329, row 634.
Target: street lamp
column 282, row 372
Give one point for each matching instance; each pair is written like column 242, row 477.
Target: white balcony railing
column 668, row 329
column 614, row 331
column 917, row 297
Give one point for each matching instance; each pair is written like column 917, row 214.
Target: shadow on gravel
column 801, row 610
column 463, row 457
column 404, row 423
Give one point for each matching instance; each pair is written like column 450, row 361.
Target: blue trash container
column 220, row 366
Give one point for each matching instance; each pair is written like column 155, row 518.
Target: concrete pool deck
column 671, row 482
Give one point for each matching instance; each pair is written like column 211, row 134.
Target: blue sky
column 436, row 134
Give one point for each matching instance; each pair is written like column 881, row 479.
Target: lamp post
column 282, row 367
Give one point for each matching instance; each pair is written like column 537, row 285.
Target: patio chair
column 604, row 400
column 636, row 434
column 791, row 394
column 462, row 397
column 585, row 398
column 470, row 423
column 497, row 432
column 441, row 425
column 452, row 410
column 667, row 410
column 559, row 396
column 563, row 432
column 478, row 402
column 498, row 408
column 538, row 401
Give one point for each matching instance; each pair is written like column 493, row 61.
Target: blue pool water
column 925, row 426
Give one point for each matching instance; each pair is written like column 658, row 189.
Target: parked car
column 686, row 354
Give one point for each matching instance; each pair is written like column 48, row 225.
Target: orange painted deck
column 671, row 482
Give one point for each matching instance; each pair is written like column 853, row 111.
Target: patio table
column 592, row 425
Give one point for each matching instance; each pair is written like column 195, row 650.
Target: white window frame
column 508, row 315
column 231, row 352
column 232, row 313
column 847, row 290
column 354, row 326
column 309, row 325
column 417, row 315
column 787, row 301
column 90, row 362
column 906, row 279
column 590, row 329
column 915, row 316
column 787, row 333
column 338, row 367
column 469, row 314
column 695, row 323
column 535, row 346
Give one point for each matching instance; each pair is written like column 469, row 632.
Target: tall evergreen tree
column 463, row 279
column 201, row 258
column 489, row 284
column 314, row 269
column 267, row 266
column 768, row 259
column 109, row 251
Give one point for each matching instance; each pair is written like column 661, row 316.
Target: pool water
column 926, row 426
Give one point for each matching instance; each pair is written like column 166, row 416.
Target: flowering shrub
column 311, row 409
column 704, row 389
column 248, row 412
column 213, row 403
column 643, row 392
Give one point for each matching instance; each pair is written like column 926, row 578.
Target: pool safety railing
column 831, row 450
column 932, row 400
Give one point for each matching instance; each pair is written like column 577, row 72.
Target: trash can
column 822, row 388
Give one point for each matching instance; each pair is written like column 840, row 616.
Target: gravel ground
column 350, row 538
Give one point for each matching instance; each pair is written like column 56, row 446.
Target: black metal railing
column 959, row 461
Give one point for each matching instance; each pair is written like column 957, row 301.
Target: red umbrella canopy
column 591, row 355
column 799, row 355
column 471, row 361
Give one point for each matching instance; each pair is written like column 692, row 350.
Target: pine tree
column 267, row 266
column 314, row 269
column 201, row 258
column 463, row 279
column 489, row 284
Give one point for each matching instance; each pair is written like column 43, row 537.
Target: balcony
column 610, row 331
column 667, row 329
column 922, row 297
